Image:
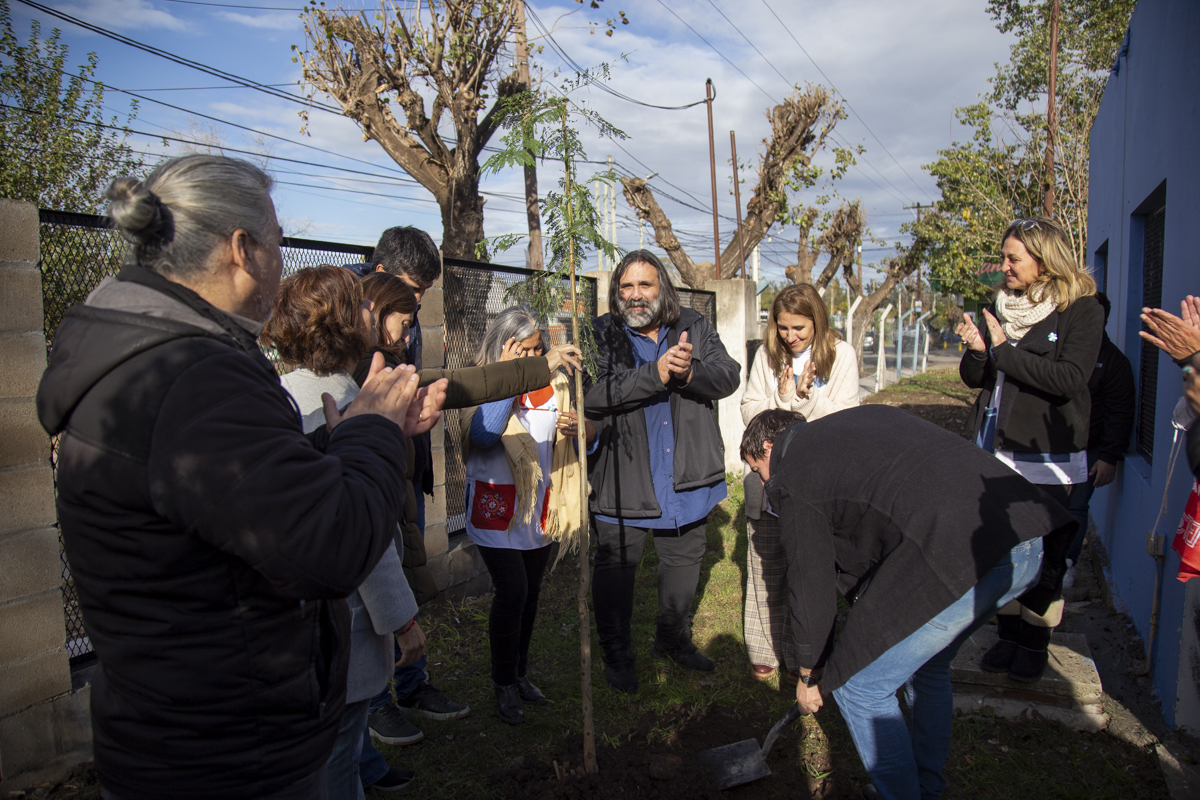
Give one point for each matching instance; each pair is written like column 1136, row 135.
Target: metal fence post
column 917, row 339
column 881, row 363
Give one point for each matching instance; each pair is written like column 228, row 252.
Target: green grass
column 936, row 381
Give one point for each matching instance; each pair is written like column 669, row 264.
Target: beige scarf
column 565, row 521
column 1017, row 313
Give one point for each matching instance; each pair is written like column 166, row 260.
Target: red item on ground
column 1187, row 537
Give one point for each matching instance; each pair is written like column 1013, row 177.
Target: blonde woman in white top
column 803, row 366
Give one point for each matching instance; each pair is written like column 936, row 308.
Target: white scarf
column 1017, row 313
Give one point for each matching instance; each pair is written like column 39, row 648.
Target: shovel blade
column 735, row 764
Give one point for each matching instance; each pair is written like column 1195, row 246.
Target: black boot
column 530, row 693
column 1032, row 653
column 1001, row 656
column 508, row 699
column 618, row 664
column 676, row 644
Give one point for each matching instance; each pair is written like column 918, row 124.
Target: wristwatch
column 809, row 679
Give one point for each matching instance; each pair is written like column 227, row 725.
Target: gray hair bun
column 137, row 212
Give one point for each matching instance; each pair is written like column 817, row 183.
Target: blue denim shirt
column 678, row 508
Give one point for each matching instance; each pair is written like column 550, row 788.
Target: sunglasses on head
column 1025, row 224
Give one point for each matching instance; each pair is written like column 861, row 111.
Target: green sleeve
column 473, row 386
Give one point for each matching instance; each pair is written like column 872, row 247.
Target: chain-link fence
column 80, row 250
column 700, row 301
column 474, row 293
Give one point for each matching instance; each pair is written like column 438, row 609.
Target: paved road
column 948, row 358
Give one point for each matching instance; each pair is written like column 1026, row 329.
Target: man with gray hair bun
column 211, row 542
column 659, row 466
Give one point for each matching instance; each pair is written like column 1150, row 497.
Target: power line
column 844, row 98
column 235, row 125
column 776, row 102
column 554, row 45
column 201, row 88
column 216, row 73
column 230, row 5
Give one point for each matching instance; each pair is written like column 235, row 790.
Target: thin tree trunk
column 585, row 622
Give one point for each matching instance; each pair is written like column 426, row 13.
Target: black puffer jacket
column 615, row 399
column 211, row 545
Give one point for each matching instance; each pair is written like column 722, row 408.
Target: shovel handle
column 791, row 716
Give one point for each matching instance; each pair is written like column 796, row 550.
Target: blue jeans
column 344, row 783
column 371, row 764
column 905, row 761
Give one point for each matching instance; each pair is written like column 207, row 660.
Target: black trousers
column 618, row 553
column 517, row 577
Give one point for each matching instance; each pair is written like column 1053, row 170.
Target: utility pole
column 737, row 199
column 710, row 94
column 1051, row 119
column 918, row 207
column 532, row 211
column 596, row 205
column 611, row 229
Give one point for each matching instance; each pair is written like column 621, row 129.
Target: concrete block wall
column 457, row 569
column 44, row 726
column 737, row 323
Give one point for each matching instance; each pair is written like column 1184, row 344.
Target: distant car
column 869, row 339
column 950, row 337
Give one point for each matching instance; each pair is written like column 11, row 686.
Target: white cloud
column 122, row 14
column 279, row 21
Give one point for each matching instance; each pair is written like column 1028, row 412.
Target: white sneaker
column 1069, row 576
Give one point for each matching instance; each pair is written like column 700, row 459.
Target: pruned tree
column 403, row 73
column 840, row 240
column 800, row 127
column 808, row 250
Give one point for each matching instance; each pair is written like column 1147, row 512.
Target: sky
column 900, row 66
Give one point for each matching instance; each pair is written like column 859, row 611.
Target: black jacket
column 900, row 516
column 211, row 546
column 614, row 400
column 1045, row 406
column 1113, row 399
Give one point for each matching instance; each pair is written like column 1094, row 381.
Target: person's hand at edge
column 808, row 697
column 411, row 643
column 1178, row 337
column 1104, row 472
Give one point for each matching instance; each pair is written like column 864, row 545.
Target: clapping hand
column 1179, row 336
column 970, row 335
column 994, row 329
column 387, row 392
column 787, row 382
column 807, row 378
column 676, row 362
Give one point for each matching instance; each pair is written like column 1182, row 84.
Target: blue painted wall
column 1147, row 134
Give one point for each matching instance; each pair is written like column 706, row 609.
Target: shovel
column 743, row 762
